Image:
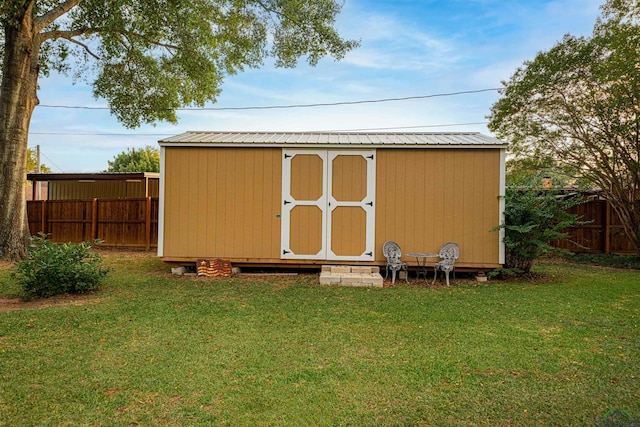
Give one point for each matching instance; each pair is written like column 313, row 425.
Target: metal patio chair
column 449, row 253
column 393, row 254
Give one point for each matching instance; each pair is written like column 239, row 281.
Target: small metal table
column 421, row 259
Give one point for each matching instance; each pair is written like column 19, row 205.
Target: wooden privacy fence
column 602, row 234
column 129, row 223
column 133, row 223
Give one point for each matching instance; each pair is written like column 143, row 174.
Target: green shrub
column 533, row 218
column 54, row 269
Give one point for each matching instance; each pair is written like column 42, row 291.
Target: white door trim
column 367, row 204
column 288, row 203
column 327, row 203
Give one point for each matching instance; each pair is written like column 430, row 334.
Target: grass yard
column 152, row 349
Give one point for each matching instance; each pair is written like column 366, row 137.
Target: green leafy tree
column 146, row 57
column 523, row 168
column 32, row 163
column 533, row 218
column 578, row 106
column 145, row 159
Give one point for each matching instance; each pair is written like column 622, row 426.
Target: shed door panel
column 328, row 205
column 351, row 221
column 304, row 204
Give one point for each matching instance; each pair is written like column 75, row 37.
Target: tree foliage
column 146, row 57
column 533, row 219
column 32, row 163
column 578, row 105
column 150, row 57
column 145, row 159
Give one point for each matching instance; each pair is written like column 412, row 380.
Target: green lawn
column 152, row 349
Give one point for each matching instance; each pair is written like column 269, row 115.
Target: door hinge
column 286, row 202
column 369, row 254
column 370, row 157
column 284, row 252
column 288, row 156
column 370, row 204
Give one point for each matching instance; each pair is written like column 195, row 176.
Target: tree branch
column 85, row 47
column 43, row 21
column 66, row 34
column 270, row 10
column 70, row 34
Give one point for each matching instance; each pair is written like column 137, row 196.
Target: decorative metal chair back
column 449, row 253
column 392, row 252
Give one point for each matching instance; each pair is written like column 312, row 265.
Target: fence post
column 607, row 227
column 148, row 224
column 43, row 216
column 94, row 219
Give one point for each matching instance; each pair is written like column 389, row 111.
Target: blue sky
column 408, row 48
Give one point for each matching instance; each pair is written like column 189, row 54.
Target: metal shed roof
column 332, row 139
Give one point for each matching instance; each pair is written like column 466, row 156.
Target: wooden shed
column 104, row 185
column 303, row 199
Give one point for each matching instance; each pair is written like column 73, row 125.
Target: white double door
column 328, row 204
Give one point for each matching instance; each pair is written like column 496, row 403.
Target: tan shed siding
column 102, row 189
column 428, row 197
column 222, row 202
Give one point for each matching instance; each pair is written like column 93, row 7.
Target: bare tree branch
column 85, row 47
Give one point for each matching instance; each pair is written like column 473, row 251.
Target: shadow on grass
column 606, row 260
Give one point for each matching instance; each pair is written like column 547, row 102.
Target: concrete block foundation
column 351, row 276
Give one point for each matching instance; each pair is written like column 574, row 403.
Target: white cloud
column 391, row 44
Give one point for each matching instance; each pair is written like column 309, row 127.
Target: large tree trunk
column 18, row 99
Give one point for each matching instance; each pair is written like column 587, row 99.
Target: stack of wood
column 213, row 267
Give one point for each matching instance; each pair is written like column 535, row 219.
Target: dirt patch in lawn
column 15, row 304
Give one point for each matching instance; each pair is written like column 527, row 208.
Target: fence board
column 134, row 223
column 602, row 234
column 117, row 222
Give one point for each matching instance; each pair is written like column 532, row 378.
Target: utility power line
column 372, row 101
column 406, row 127
column 330, row 130
column 51, row 161
column 100, row 134
column 273, row 107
